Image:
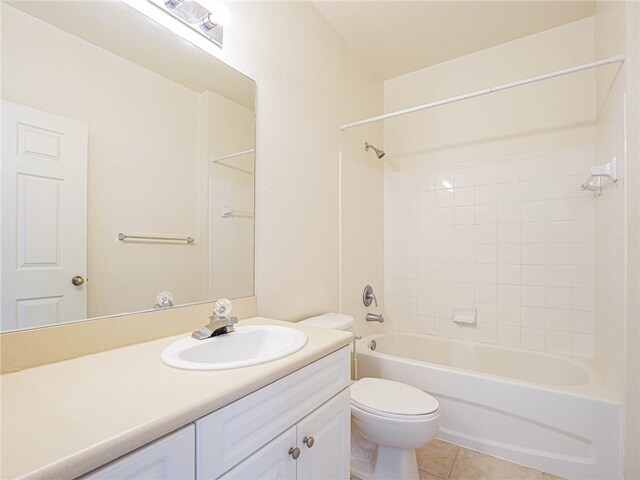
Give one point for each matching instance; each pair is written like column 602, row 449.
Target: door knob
column 294, row 452
column 77, row 280
column 308, row 441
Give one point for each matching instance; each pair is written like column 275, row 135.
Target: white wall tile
column 558, row 342
column 532, row 190
column 486, row 175
column 514, row 237
column 533, row 275
column 508, row 172
column 532, row 338
column 583, row 345
column 532, row 317
column 507, row 335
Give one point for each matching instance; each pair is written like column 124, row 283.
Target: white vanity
column 297, row 427
column 123, row 413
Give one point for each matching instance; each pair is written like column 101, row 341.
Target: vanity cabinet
column 271, row 461
column 316, row 448
column 324, row 439
column 308, row 399
column 170, row 458
column 305, row 415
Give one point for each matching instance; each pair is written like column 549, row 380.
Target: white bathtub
column 550, row 412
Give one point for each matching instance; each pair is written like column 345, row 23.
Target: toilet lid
column 336, row 321
column 377, row 395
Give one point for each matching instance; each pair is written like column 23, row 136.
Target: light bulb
column 208, row 22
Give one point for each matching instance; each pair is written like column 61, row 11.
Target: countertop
column 65, row 419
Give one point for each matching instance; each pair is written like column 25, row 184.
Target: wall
column 611, row 255
column 303, row 96
column 617, row 27
column 230, row 129
column 133, row 150
column 309, row 83
column 482, row 201
column 362, row 226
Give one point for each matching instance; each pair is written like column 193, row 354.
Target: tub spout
column 374, row 317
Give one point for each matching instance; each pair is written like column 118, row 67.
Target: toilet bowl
column 389, row 420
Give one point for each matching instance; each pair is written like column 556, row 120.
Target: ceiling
column 398, row 37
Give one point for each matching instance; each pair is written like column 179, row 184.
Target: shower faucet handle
column 368, row 296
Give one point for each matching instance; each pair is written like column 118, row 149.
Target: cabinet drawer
column 169, row 458
column 229, row 435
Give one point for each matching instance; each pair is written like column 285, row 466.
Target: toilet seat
column 390, row 399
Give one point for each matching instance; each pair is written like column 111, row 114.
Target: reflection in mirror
column 127, row 166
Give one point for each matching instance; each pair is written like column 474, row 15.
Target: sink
column 248, row 345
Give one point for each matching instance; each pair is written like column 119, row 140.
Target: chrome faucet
column 219, row 323
column 374, row 317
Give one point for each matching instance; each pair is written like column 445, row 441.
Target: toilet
column 389, row 420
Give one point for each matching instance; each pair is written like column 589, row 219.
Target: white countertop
column 65, row 419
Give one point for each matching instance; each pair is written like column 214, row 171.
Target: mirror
column 127, row 166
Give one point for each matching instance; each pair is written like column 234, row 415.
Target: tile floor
column 445, row 461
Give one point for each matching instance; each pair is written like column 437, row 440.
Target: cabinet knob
column 294, row 452
column 308, row 441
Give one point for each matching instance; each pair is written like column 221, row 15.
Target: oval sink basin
column 250, row 345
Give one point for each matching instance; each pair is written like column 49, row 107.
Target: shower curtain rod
column 486, row 91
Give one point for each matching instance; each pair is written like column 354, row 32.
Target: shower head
column 379, row 152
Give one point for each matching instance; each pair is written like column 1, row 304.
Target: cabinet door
column 328, row 455
column 169, row 458
column 229, row 435
column 271, row 462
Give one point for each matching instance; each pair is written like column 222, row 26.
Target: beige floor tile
column 423, row 476
column 437, row 458
column 548, row 476
column 428, row 476
column 472, row 465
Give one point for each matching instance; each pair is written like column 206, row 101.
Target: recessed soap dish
column 465, row 316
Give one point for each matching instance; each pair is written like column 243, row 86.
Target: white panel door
column 324, row 438
column 44, row 217
column 173, row 457
column 271, row 462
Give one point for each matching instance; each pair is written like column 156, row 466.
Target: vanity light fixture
column 196, row 16
column 208, row 23
column 188, row 19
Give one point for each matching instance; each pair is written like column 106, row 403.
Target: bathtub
column 546, row 411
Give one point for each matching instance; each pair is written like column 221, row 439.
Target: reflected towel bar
column 123, row 236
column 232, row 155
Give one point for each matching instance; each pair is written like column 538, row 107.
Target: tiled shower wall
column 512, row 236
column 362, row 228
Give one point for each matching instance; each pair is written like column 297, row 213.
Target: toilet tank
column 336, row 321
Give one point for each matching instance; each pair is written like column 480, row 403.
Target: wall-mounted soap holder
column 465, row 316
column 602, row 176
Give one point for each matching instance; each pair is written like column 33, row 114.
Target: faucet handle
column 222, row 309
column 368, row 296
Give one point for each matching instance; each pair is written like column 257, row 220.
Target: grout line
column 432, row 474
column 455, row 459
